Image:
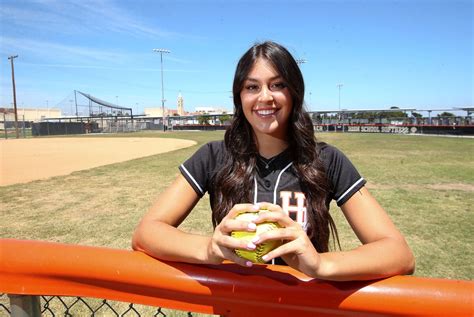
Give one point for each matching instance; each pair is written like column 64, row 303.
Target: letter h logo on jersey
column 296, row 212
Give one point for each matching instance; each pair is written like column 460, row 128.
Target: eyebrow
column 256, row 80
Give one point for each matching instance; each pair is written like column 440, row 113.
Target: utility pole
column 161, row 51
column 14, row 95
column 339, row 87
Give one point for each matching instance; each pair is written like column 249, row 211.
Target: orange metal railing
column 44, row 268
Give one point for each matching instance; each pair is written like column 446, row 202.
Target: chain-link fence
column 78, row 306
column 12, row 130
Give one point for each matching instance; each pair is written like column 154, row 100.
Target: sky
column 406, row 53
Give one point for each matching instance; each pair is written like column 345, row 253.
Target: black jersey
column 275, row 180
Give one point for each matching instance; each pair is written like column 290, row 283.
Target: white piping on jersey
column 278, row 181
column 255, row 190
column 274, row 191
column 192, row 178
column 349, row 190
column 276, row 185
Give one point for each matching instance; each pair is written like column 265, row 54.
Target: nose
column 265, row 95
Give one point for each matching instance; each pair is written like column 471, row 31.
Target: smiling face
column 266, row 100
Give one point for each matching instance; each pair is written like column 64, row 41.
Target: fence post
column 24, row 132
column 5, row 125
column 24, row 305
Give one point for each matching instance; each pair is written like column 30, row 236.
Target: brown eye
column 277, row 86
column 252, row 88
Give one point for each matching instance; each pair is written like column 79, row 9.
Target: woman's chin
column 273, row 129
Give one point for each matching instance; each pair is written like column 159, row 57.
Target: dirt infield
column 25, row 160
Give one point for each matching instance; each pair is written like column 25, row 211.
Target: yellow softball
column 263, row 248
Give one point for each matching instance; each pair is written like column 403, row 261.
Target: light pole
column 300, row 61
column 72, row 111
column 14, row 96
column 339, row 86
column 161, row 51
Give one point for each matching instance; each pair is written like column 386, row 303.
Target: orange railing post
column 45, row 268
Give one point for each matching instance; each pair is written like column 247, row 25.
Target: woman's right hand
column 222, row 245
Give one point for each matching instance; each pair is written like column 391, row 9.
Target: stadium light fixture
column 161, row 51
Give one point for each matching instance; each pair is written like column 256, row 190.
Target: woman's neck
column 270, row 146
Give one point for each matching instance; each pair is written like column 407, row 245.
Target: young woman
column 270, row 159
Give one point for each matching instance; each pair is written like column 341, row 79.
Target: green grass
column 10, row 133
column 426, row 184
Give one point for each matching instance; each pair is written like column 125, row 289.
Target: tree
column 446, row 114
column 394, row 114
column 416, row 114
column 225, row 118
column 204, row 120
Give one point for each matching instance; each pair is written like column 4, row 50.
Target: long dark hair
column 234, row 182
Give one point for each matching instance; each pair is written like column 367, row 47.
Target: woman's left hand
column 297, row 250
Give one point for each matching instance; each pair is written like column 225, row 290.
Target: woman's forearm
column 378, row 259
column 168, row 243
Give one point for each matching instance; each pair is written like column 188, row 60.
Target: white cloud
column 78, row 17
column 58, row 52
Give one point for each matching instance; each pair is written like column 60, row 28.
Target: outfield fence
column 8, row 130
column 122, row 123
column 33, row 268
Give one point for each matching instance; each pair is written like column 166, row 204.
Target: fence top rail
column 44, row 268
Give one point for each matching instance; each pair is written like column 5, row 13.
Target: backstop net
column 81, row 104
column 94, row 114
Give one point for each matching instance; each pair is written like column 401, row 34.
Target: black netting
column 78, row 306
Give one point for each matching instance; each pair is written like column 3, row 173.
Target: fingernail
column 264, row 258
column 255, row 239
column 251, row 246
column 252, row 226
column 248, row 264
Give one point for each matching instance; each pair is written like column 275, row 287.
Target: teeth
column 266, row 112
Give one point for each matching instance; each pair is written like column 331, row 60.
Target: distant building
column 158, row 111
column 210, row 110
column 179, row 110
column 30, row 114
column 153, row 112
column 180, row 103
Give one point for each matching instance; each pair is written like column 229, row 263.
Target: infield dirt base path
column 24, row 160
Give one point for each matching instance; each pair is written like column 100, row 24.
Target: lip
column 265, row 112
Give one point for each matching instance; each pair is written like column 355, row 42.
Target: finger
column 269, row 206
column 283, row 234
column 229, row 225
column 241, row 208
column 284, row 249
column 279, row 217
column 234, row 243
column 232, row 256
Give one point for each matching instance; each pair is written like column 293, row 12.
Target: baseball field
column 425, row 183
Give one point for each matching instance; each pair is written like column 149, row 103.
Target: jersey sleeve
column 344, row 178
column 199, row 168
